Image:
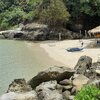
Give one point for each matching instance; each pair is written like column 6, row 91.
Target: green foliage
column 79, row 7
column 4, row 25
column 53, row 12
column 35, row 2
column 11, row 17
column 13, row 12
column 88, row 93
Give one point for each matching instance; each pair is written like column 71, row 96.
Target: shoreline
column 22, row 59
column 46, row 57
column 57, row 51
column 54, row 52
column 57, row 54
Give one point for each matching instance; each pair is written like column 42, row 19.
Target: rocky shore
column 38, row 32
column 56, row 83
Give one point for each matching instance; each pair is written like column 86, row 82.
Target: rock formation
column 53, row 73
column 56, row 83
column 49, row 91
column 19, row 85
column 37, row 31
column 19, row 90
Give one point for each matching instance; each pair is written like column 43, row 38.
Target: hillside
column 73, row 15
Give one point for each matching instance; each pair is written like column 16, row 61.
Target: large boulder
column 19, row 90
column 43, row 32
column 53, row 73
column 19, row 96
column 80, row 81
column 36, row 31
column 19, row 85
column 10, row 34
column 83, row 65
column 49, row 91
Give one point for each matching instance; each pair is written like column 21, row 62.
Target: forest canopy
column 53, row 12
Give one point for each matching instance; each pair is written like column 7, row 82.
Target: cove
column 21, row 59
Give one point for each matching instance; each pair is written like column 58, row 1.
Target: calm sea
column 20, row 59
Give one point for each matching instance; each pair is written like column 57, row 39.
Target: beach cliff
column 39, row 32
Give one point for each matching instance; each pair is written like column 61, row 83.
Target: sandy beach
column 57, row 51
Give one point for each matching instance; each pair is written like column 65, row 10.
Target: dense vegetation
column 88, row 93
column 53, row 12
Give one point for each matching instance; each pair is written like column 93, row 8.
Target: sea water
column 20, row 59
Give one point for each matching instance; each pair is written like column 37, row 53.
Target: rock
column 94, row 71
column 68, row 87
column 80, row 81
column 97, row 71
column 2, row 37
column 11, row 34
column 71, row 97
column 40, row 32
column 19, row 90
column 34, row 26
column 19, row 96
column 53, row 73
column 49, row 91
column 65, row 82
column 43, row 32
column 59, row 88
column 66, row 94
column 75, row 75
column 83, row 64
column 95, row 83
column 19, row 85
column 73, row 91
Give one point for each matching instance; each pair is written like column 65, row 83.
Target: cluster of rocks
column 36, row 31
column 56, row 83
column 87, row 68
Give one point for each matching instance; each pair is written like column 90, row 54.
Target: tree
column 53, row 12
column 81, row 7
column 13, row 12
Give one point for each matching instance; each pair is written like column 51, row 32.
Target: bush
column 4, row 24
column 88, row 93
